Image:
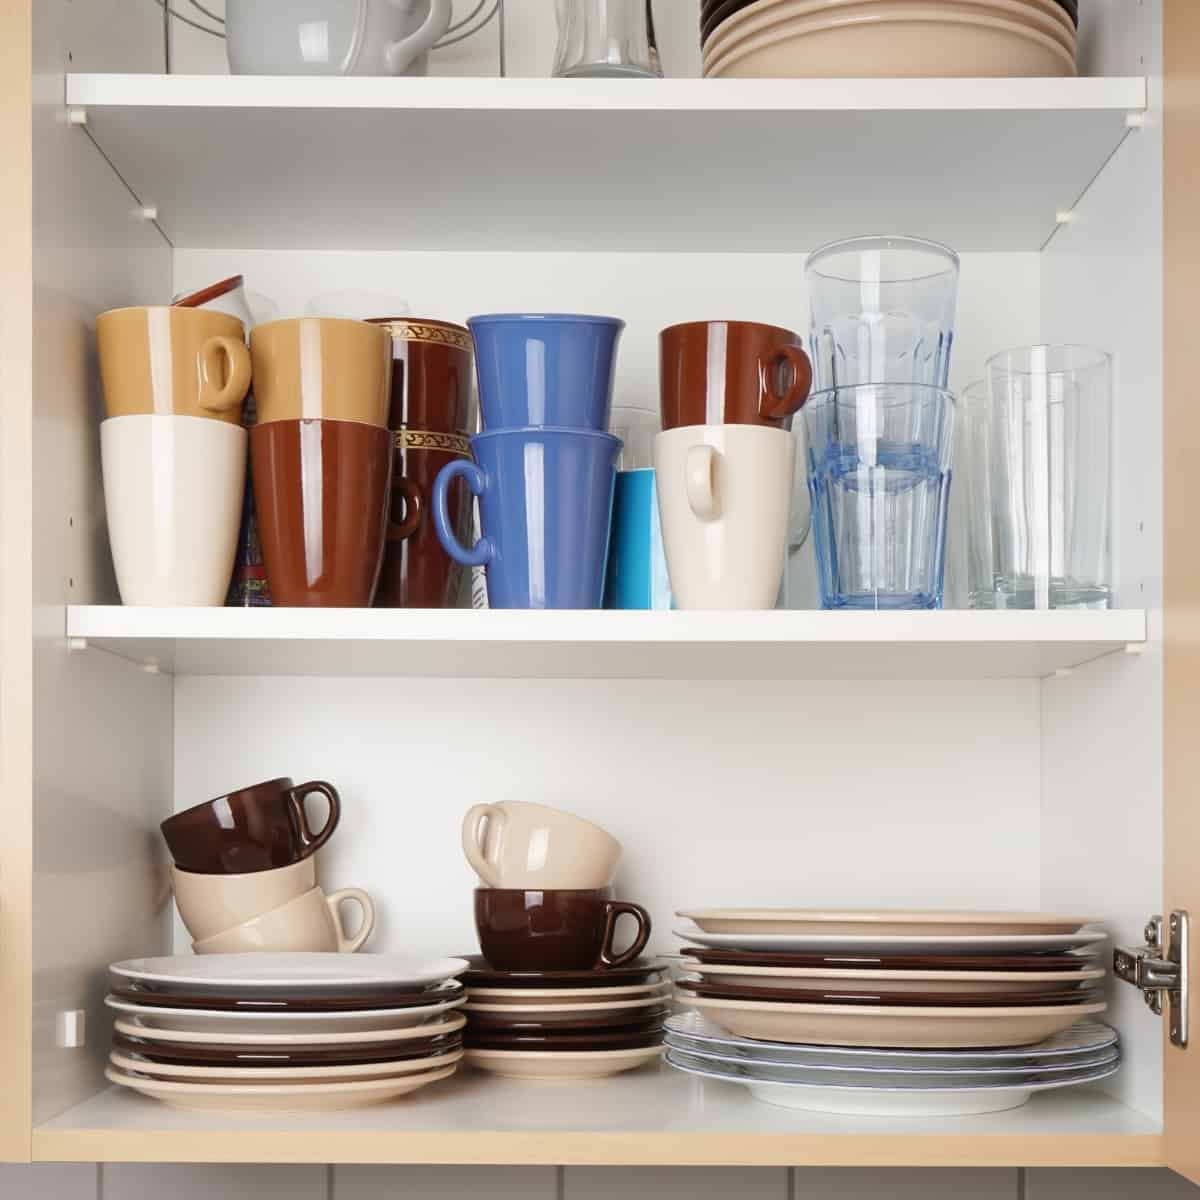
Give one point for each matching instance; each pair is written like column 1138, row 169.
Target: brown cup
column 253, row 829
column 322, row 368
column 554, row 930
column 431, row 413
column 321, row 496
column 731, row 373
column 171, row 361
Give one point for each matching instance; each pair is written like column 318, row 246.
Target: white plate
column 194, row 1019
column 381, row 1070
column 317, row 974
column 877, row 943
column 209, row 1037
column 284, row 1097
column 534, row 996
column 561, row 1064
column 918, row 922
column 882, row 1102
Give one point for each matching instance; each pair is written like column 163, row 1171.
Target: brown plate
column 896, row 962
column 652, row 1019
column 181, row 1054
column 639, row 971
column 535, row 1041
column 352, row 1001
column 929, row 999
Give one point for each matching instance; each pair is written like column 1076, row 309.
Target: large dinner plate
column 895, row 943
column 879, row 921
column 237, row 1073
column 199, row 1037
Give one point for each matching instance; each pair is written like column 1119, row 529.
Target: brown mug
column 253, row 829
column 321, row 498
column 731, row 373
column 170, row 361
column 558, row 929
column 431, row 414
column 325, row 368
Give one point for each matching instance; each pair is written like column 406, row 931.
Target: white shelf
column 237, row 162
column 656, row 1116
column 596, row 644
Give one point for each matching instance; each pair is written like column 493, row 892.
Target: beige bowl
column 896, row 40
column 1046, row 16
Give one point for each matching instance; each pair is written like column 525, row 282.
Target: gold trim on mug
column 425, row 439
column 454, row 336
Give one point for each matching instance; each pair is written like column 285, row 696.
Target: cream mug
column 311, row 922
column 211, row 904
column 518, row 845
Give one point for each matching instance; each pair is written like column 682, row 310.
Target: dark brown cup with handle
column 732, row 373
column 253, row 829
column 558, row 929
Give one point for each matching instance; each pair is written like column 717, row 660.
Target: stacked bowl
column 874, row 38
column 284, row 1032
column 552, row 997
column 937, row 997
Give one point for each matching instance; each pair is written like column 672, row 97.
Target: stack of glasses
column 880, row 428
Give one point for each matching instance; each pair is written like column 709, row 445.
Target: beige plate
column 882, row 921
column 910, row 1028
column 383, row 1070
column 898, row 981
column 561, row 1064
column 536, row 996
column 289, row 1097
column 191, row 1038
column 545, row 1011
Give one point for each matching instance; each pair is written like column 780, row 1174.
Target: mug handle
column 614, row 910
column 701, row 481
column 229, row 353
column 347, row 944
column 413, row 510
column 309, row 841
column 400, row 54
column 772, row 407
column 483, row 551
column 472, row 842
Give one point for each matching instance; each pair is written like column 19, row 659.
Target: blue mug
column 545, row 369
column 545, row 504
column 637, row 563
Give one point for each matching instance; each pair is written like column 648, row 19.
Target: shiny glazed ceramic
column 321, row 490
column 210, row 904
column 310, row 922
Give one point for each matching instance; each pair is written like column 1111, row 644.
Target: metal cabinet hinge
column 1160, row 969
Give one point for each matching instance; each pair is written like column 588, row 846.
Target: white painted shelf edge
column 559, row 644
column 551, row 95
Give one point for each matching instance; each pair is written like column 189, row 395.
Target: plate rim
column 450, row 1024
column 125, row 969
column 271, row 1091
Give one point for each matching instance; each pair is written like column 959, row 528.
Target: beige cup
column 321, row 367
column 311, row 922
column 530, row 846
column 211, row 904
column 168, row 361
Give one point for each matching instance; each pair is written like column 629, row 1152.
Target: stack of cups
column 880, row 429
column 321, row 458
column 545, row 465
column 173, row 450
column 724, row 461
column 245, row 875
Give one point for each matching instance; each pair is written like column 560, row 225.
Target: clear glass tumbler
column 606, row 39
column 1038, row 445
column 879, row 477
column 882, row 311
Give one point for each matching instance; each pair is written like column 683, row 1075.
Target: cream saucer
column 383, row 1070
column 536, row 996
column 561, row 1064
column 209, row 1038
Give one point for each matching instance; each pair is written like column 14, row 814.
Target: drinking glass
column 606, row 39
column 882, row 311
column 879, row 478
column 1038, row 443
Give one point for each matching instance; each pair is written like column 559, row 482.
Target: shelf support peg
column 77, row 643
column 1135, row 120
column 1133, row 649
column 77, row 116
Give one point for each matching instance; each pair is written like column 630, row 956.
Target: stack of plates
column 284, row 1032
column 891, row 980
column 863, row 38
column 868, row 1082
column 565, row 1024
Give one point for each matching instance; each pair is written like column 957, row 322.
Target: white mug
column 211, row 904
column 724, row 493
column 310, row 923
column 333, row 37
column 173, row 490
column 532, row 846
